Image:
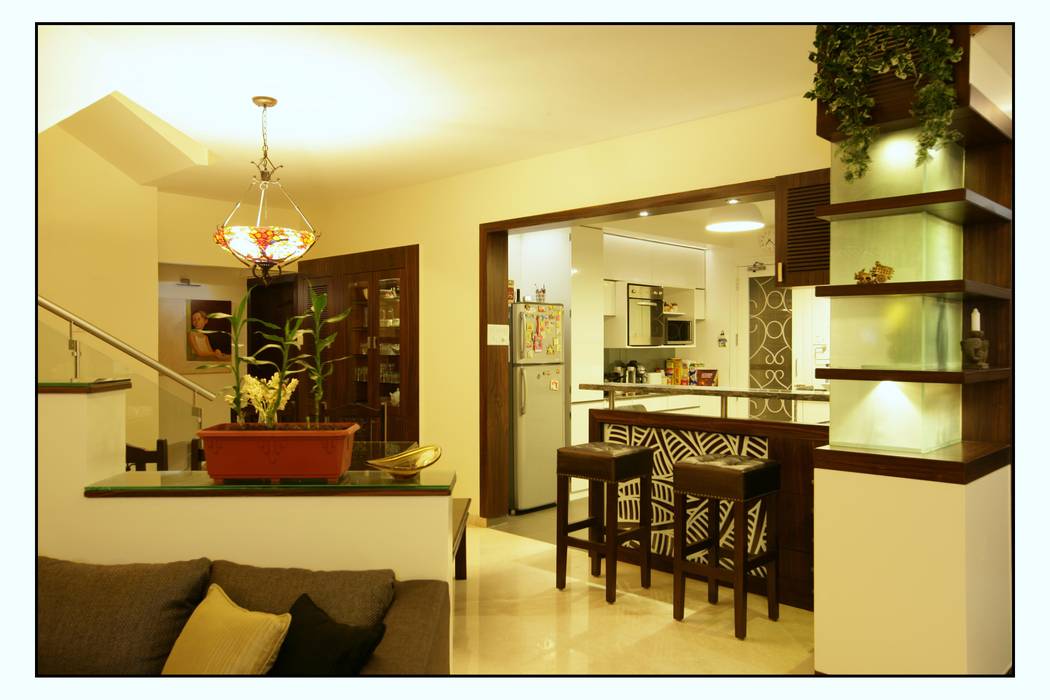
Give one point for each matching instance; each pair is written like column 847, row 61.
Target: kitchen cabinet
column 699, row 304
column 627, row 259
column 649, row 262
column 803, row 242
column 379, row 338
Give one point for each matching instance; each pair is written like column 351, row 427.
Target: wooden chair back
column 137, row 458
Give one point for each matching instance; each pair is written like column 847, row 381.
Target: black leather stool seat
column 605, row 461
column 605, row 465
column 726, row 477
column 743, row 481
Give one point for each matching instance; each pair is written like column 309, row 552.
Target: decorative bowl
column 407, row 464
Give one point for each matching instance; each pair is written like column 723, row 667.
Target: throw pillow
column 351, row 597
column 317, row 645
column 112, row 619
column 222, row 638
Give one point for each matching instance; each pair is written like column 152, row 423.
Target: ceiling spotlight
column 733, row 219
column 733, row 201
column 644, row 212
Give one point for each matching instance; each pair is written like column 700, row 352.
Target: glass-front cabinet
column 378, row 337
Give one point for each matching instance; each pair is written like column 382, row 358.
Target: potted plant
column 850, row 56
column 268, row 449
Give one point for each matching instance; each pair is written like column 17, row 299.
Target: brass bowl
column 407, row 464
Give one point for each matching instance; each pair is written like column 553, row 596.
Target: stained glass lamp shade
column 261, row 232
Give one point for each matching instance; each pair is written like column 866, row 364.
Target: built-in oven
column 645, row 315
column 678, row 332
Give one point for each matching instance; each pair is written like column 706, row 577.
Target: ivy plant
column 848, row 56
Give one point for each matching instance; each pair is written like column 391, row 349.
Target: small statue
column 880, row 274
column 975, row 350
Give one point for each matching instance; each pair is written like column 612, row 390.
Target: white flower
column 263, row 395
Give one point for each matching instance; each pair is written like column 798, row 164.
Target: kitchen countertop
column 637, row 390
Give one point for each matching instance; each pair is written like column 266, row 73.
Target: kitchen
column 658, row 300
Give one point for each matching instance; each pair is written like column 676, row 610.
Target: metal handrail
column 123, row 347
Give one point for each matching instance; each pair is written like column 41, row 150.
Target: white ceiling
column 688, row 227
column 367, row 108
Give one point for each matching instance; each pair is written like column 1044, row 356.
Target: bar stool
column 612, row 464
column 743, row 481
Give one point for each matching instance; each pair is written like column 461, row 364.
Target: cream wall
column 443, row 217
column 97, row 257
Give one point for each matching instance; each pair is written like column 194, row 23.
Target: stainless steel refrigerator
column 538, row 391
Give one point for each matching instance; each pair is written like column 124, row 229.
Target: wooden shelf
column 953, row 289
column 960, row 463
column 965, row 376
column 960, row 206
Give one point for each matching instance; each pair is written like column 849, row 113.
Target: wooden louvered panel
column 803, row 242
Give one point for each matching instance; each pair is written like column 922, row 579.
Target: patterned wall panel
column 770, row 344
column 673, row 445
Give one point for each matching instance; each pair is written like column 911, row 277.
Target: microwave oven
column 679, row 332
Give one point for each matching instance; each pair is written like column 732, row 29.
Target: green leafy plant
column 238, row 360
column 271, row 397
column 848, row 56
column 318, row 367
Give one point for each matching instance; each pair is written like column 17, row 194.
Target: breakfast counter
column 676, row 436
column 611, row 390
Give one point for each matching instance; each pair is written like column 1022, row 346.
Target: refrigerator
column 538, row 402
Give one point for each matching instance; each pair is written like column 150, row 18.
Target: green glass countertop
column 359, row 479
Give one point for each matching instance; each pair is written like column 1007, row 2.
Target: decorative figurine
column 975, row 345
column 879, row 274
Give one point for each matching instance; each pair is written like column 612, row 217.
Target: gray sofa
column 123, row 619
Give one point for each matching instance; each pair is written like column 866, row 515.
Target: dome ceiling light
column 735, row 218
column 255, row 237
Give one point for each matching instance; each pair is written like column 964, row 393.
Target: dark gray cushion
column 357, row 598
column 123, row 619
column 417, row 638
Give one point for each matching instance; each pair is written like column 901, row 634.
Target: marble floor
column 510, row 619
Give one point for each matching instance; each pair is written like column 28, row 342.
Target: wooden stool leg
column 595, row 500
column 612, row 524
column 562, row 541
column 678, row 600
column 772, row 545
column 646, row 525
column 714, row 531
column 739, row 574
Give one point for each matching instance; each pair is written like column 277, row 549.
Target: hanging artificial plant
column 848, row 56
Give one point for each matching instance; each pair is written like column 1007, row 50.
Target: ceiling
column 368, row 108
column 688, row 227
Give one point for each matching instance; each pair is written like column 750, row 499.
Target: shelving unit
column 966, row 376
column 951, row 289
column 959, row 206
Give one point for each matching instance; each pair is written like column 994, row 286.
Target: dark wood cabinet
column 380, row 336
column 803, row 242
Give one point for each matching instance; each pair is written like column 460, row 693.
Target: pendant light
column 735, row 218
column 252, row 235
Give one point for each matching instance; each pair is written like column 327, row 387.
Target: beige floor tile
column 510, row 619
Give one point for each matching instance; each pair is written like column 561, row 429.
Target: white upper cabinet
column 609, row 297
column 628, row 259
column 647, row 262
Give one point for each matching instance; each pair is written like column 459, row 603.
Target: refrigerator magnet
column 555, row 385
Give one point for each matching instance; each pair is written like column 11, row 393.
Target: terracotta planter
column 287, row 452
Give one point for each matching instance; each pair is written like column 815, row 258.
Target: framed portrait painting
column 190, row 339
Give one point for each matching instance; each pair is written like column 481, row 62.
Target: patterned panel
column 673, row 445
column 770, row 344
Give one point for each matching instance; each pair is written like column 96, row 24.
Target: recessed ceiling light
column 644, row 212
column 732, row 201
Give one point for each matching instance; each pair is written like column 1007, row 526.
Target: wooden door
column 803, row 242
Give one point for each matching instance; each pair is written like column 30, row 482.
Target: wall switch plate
column 499, row 334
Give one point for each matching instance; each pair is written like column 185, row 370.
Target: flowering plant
column 267, row 396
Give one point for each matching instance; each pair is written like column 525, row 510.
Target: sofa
column 123, row 619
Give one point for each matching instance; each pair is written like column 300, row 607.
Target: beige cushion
column 222, row 638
